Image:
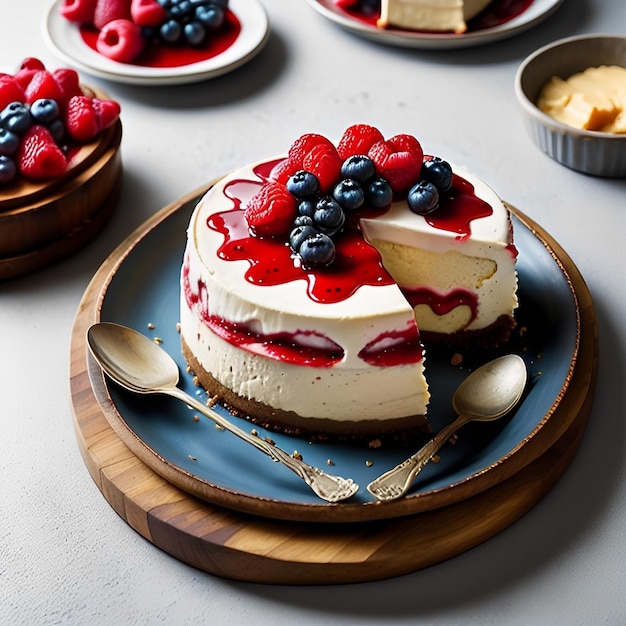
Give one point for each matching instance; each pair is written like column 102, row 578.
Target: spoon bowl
column 492, row 390
column 486, row 394
column 139, row 365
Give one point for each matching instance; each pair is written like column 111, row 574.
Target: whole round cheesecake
column 312, row 324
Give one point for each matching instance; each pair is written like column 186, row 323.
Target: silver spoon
column 138, row 364
column 486, row 394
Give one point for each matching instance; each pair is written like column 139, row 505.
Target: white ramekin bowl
column 591, row 152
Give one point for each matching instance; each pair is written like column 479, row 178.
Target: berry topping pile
column 311, row 194
column 125, row 27
column 41, row 114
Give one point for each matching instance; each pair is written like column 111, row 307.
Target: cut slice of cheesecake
column 430, row 15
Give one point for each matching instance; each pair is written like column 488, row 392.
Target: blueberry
column 150, row 33
column 299, row 234
column 7, row 169
column 180, row 9
column 9, row 142
column 370, row 7
column 303, row 220
column 194, row 33
column 303, row 184
column 171, row 31
column 306, row 207
column 44, row 111
column 57, row 130
column 211, row 15
column 438, row 172
column 317, row 250
column 16, row 117
column 423, row 197
column 329, row 216
column 358, row 167
column 379, row 193
column 349, row 194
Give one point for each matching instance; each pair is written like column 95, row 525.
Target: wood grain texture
column 246, row 547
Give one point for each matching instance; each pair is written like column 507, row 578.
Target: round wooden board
column 245, row 547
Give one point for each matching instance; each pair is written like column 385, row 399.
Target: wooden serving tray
column 242, row 546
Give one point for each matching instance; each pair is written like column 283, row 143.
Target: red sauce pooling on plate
column 162, row 56
column 497, row 13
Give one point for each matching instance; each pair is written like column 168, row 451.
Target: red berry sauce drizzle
column 162, row 56
column 356, row 263
column 497, row 13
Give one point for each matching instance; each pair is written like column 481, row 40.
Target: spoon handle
column 327, row 486
column 397, row 481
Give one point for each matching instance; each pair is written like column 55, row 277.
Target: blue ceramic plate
column 143, row 293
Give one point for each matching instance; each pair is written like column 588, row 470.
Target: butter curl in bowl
column 573, row 96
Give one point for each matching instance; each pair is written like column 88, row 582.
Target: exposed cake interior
column 430, row 15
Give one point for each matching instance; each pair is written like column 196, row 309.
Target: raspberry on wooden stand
column 42, row 112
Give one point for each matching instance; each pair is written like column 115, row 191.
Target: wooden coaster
column 245, row 547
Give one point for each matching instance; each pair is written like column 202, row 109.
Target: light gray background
column 65, row 555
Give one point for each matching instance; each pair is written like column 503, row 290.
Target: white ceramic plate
column 536, row 12
column 65, row 40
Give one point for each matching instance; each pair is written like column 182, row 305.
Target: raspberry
column 147, row 13
column 108, row 10
column 32, row 63
column 107, row 112
column 86, row 117
column 358, row 139
column 303, row 145
column 10, row 91
column 271, row 211
column 400, row 167
column 27, row 70
column 79, row 11
column 282, row 171
column 81, row 120
column 69, row 84
column 408, row 143
column 43, row 85
column 120, row 40
column 39, row 157
column 324, row 162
